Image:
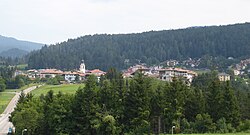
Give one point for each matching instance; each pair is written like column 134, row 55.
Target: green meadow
column 4, row 100
column 8, row 94
column 22, row 66
column 6, row 97
column 64, row 88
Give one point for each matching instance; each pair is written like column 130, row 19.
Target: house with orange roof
column 50, row 73
column 137, row 68
column 96, row 72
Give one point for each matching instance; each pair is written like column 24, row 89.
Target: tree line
column 139, row 105
column 123, row 50
column 9, row 81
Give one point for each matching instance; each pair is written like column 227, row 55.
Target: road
column 4, row 117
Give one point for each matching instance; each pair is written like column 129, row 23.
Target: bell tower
column 82, row 67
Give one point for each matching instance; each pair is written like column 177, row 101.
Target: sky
column 55, row 21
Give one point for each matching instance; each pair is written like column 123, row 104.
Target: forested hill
column 8, row 43
column 13, row 53
column 121, row 50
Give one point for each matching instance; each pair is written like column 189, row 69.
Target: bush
column 2, row 85
column 204, row 123
column 53, row 81
column 186, row 127
column 221, row 126
column 244, row 126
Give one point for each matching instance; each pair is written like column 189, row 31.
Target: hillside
column 13, row 53
column 121, row 50
column 7, row 43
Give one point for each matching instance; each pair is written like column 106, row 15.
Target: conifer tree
column 175, row 97
column 215, row 100
column 86, row 108
column 137, row 105
column 230, row 106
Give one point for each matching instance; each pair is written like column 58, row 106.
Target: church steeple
column 82, row 67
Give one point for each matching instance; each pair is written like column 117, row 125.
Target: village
column 69, row 76
column 158, row 72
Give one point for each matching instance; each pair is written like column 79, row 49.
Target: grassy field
column 64, row 88
column 22, row 66
column 5, row 96
column 4, row 100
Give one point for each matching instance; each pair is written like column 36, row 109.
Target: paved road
column 4, row 117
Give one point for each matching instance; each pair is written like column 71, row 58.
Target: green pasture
column 22, row 66
column 64, row 88
column 8, row 94
column 4, row 100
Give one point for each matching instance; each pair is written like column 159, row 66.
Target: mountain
column 7, row 43
column 13, row 53
column 122, row 50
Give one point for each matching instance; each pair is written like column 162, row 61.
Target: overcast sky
column 53, row 21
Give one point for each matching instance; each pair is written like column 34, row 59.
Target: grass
column 5, row 96
column 4, row 100
column 64, row 88
column 22, row 66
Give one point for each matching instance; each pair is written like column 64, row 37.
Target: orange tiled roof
column 70, row 73
column 179, row 70
column 96, row 71
column 51, row 71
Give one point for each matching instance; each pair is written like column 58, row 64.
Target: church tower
column 82, row 67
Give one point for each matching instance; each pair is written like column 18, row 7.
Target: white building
column 169, row 73
column 32, row 74
column 236, row 72
column 70, row 76
column 224, row 77
column 82, row 68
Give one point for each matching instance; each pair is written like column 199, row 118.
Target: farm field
column 64, row 88
column 4, row 100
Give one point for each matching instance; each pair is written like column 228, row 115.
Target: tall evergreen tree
column 175, row 97
column 230, row 106
column 137, row 105
column 215, row 100
column 194, row 104
column 86, row 108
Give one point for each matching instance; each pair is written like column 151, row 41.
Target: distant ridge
column 7, row 43
column 13, row 53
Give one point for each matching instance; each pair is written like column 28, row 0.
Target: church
column 82, row 73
